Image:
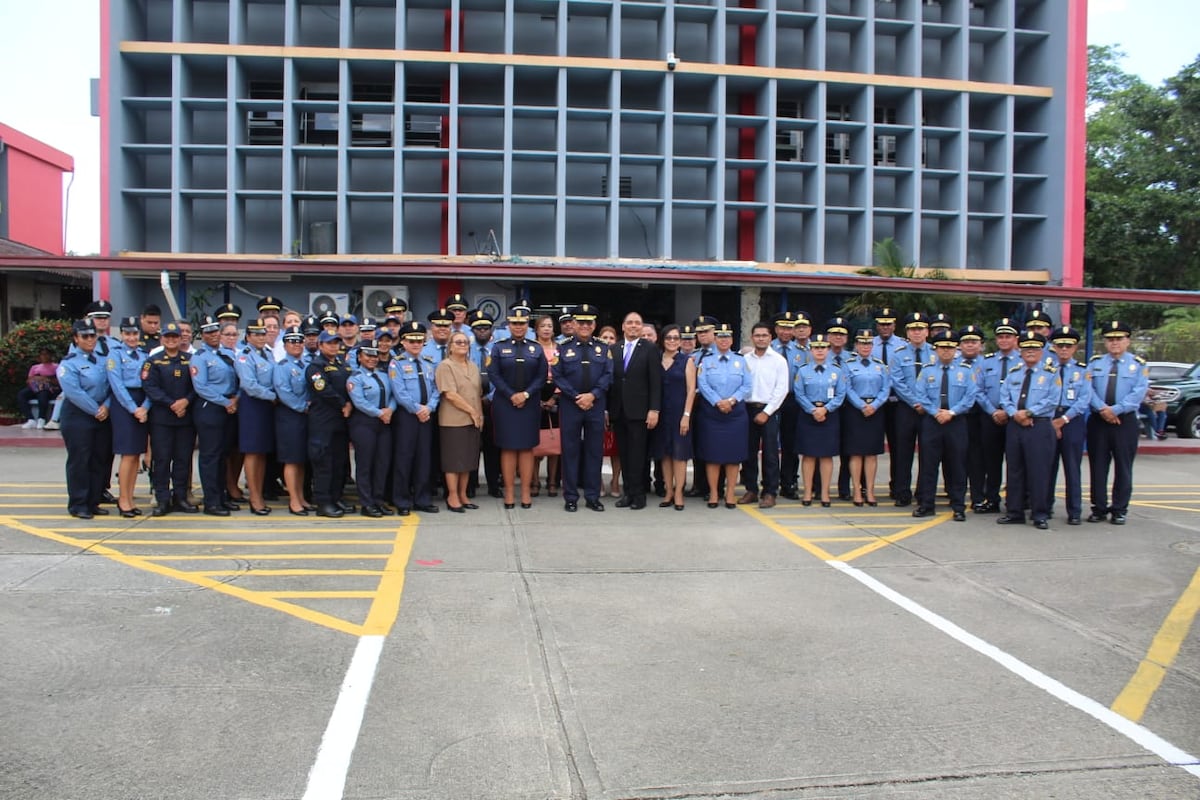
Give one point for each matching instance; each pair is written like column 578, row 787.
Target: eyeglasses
column 441, row 324
column 671, row 338
column 87, row 336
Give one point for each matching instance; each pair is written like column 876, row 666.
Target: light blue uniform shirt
column 434, row 352
column 724, row 376
column 256, row 373
column 370, row 391
column 84, row 382
column 213, row 378
column 1076, row 394
column 961, row 391
column 993, row 370
column 289, row 384
column 906, row 367
column 820, row 383
column 1133, row 379
column 405, row 374
column 868, row 377
column 125, row 373
column 1045, row 387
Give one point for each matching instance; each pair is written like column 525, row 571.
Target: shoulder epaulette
column 246, row 351
column 879, row 361
column 70, row 355
column 1050, row 368
column 990, row 355
column 1101, row 355
column 1014, row 369
column 1139, row 359
column 428, row 358
column 1078, row 364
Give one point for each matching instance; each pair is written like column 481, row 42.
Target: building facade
column 776, row 131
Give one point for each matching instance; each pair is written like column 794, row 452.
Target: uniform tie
column 885, row 344
column 920, row 360
column 1110, row 391
column 442, row 350
column 944, row 395
column 724, row 359
column 421, row 380
column 91, row 358
column 866, row 362
column 820, row 368
column 1003, row 368
column 1024, row 389
column 382, row 390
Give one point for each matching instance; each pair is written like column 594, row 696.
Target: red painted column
column 747, row 139
column 1075, row 156
column 102, row 288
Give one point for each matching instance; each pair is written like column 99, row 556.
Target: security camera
column 672, row 61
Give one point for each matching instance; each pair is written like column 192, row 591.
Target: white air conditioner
column 323, row 302
column 376, row 297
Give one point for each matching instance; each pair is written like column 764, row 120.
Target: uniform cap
column 367, row 324
column 293, row 334
column 442, row 315
column 566, row 316
column 329, row 318
column 326, row 336
column 393, row 318
column 944, row 338
column 803, row 318
column 704, row 323
column 970, row 333
column 99, row 308
column 412, row 330
column 384, row 333
column 941, row 320
column 456, row 302
column 1006, row 325
column 171, row 329
column 207, row 324
column 348, row 319
column 784, row 319
column 83, row 326
column 310, row 325
column 269, row 303
column 916, row 320
column 1039, row 318
column 521, row 303
column 368, row 351
column 885, row 315
column 724, row 330
column 586, row 313
column 517, row 315
column 820, row 340
column 1031, row 339
column 1116, row 329
column 838, row 325
column 480, row 319
column 228, row 311
column 395, row 305
column 1065, row 334
column 687, row 332
column 864, row 335
column 258, row 326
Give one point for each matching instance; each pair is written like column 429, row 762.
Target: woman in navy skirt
column 671, row 440
column 517, row 372
column 256, row 411
column 130, row 411
column 291, row 419
column 820, row 389
column 725, row 383
column 862, row 423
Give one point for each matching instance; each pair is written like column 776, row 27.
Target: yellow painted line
column 844, row 539
column 896, row 537
column 1162, row 506
column 268, row 556
column 787, row 534
column 149, row 529
column 383, row 611
column 286, row 573
column 32, row 505
column 240, row 542
column 331, row 595
column 1136, row 695
column 33, row 494
column 850, row 527
column 855, row 514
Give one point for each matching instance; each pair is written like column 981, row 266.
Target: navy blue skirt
column 291, row 436
column 723, row 438
column 861, row 436
column 818, row 439
column 516, row 428
column 129, row 435
column 256, row 425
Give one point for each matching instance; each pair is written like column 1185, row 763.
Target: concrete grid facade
column 789, row 130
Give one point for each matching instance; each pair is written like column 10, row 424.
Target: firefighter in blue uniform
column 328, row 443
column 85, row 430
column 215, row 382
column 583, row 373
column 167, row 380
column 414, row 425
column 906, row 367
column 1029, row 396
column 1119, row 382
column 371, row 394
column 1070, row 420
column 947, row 391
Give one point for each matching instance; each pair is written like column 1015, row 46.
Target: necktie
column 1003, row 369
column 226, row 358
column 885, row 344
column 91, row 358
column 724, row 359
column 1110, row 391
column 1024, row 389
column 421, row 380
column 944, row 395
column 920, row 360
column 820, row 368
column 628, row 353
column 442, row 350
column 102, row 346
column 837, row 359
column 866, row 362
column 484, row 386
column 382, row 391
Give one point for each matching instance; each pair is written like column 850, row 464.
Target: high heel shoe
column 301, row 513
column 526, row 505
column 127, row 513
column 807, row 502
column 713, row 504
column 872, row 503
column 510, row 505
column 456, row 509
column 824, row 504
column 731, row 504
column 679, row 506
column 260, row 512
column 666, row 503
column 858, row 502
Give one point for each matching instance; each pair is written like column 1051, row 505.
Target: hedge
column 19, row 351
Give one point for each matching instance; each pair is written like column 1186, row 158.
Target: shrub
column 19, row 351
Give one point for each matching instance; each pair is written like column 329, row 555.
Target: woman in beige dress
column 460, row 420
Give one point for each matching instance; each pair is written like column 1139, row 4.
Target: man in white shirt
column 769, row 371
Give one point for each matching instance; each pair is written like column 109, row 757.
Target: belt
column 1058, row 412
column 756, row 405
column 868, row 399
column 1042, row 419
column 819, row 404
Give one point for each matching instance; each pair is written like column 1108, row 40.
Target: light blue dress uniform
column 1073, row 403
column 214, row 379
column 84, row 382
column 291, row 413
column 256, row 414
column 944, row 445
column 124, row 375
column 406, row 374
column 904, row 368
column 215, row 382
column 869, row 382
column 1115, row 444
column 1029, row 451
column 894, row 345
column 370, row 393
column 993, row 370
column 434, row 352
column 724, row 438
column 366, row 393
column 962, row 391
column 412, row 439
column 819, row 386
column 905, row 371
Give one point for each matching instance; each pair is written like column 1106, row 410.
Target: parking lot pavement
column 795, row 652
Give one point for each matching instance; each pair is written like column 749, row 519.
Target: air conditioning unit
column 376, row 297
column 324, row 302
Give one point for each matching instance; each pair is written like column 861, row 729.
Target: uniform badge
column 111, row 365
column 60, row 372
column 195, row 371
column 408, row 369
column 569, row 354
column 349, row 386
column 318, row 382
column 1041, row 379
column 178, row 373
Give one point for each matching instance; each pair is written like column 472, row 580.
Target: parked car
column 1182, row 396
column 1167, row 370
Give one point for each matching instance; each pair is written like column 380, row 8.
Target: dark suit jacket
column 638, row 389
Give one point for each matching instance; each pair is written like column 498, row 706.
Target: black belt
column 1042, row 419
column 819, row 404
column 868, row 399
column 1058, row 412
column 756, row 405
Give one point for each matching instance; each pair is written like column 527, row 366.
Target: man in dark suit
column 634, row 400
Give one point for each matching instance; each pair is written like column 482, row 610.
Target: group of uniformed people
column 291, row 416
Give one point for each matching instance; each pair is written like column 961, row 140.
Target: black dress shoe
column 81, row 513
column 847, row 497
column 638, row 504
column 1118, row 519
column 791, row 493
column 825, row 504
column 386, row 510
column 1041, row 524
column 260, row 512
column 103, row 512
column 301, row 513
column 570, row 505
column 186, row 507
column 127, row 513
column 514, row 505
column 328, row 510
column 161, row 510
column 404, row 512
column 923, row 512
column 902, row 503
column 660, row 491
column 526, row 505
column 1007, row 520
column 594, row 505
column 624, row 502
column 960, row 516
column 107, row 497
column 472, row 506
column 216, row 511
column 1073, row 521
column 371, row 511
column 1094, row 517
column 455, row 509
column 229, row 505
column 348, row 508
column 429, row 509
column 496, row 493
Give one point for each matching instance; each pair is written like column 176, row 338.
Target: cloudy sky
column 49, row 49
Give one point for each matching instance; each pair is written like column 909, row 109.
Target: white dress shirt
column 770, row 379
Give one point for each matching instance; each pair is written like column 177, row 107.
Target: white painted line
column 1138, row 734
column 327, row 778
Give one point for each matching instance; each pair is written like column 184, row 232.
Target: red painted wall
column 35, row 190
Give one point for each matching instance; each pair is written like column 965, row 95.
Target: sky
column 49, row 49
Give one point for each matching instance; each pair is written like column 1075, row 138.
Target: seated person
column 40, row 385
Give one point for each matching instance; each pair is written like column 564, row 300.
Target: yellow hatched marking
column 1136, row 695
column 799, row 541
column 268, row 556
column 243, row 542
column 314, row 595
column 854, row 514
column 846, row 527
column 287, row 573
column 1162, row 506
column 843, row 539
column 896, row 537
